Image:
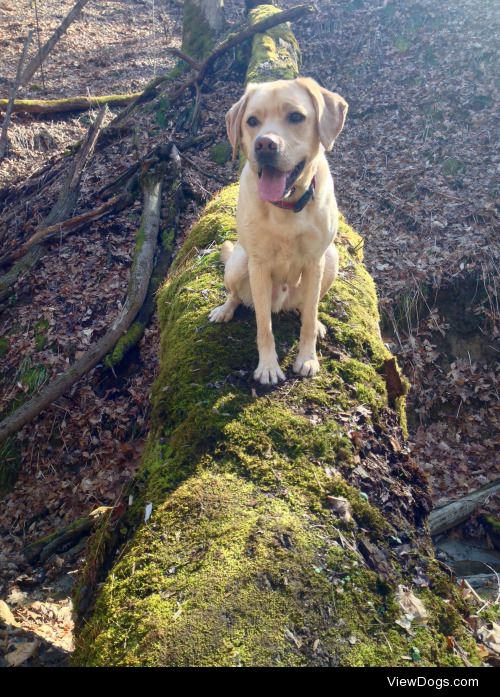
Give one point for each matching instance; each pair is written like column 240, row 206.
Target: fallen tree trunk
column 56, row 106
column 248, row 558
column 162, row 263
column 455, row 512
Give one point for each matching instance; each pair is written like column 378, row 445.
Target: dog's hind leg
column 235, row 279
column 330, row 273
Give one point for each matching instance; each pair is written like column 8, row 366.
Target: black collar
column 297, row 206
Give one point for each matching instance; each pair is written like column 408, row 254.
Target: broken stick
column 12, row 96
column 140, row 273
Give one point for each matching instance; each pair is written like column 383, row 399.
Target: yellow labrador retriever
column 284, row 258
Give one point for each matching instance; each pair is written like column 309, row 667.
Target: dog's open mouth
column 275, row 185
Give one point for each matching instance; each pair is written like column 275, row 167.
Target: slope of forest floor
column 415, row 175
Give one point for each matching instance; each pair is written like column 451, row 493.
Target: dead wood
column 58, row 230
column 55, row 106
column 60, row 540
column 455, row 512
column 10, row 102
column 203, row 67
column 61, row 210
column 42, row 54
column 151, row 181
column 162, row 263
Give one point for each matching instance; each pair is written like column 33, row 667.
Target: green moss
column 241, row 532
column 33, row 378
column 402, row 44
column 10, row 462
column 214, row 226
column 275, row 54
column 197, row 37
column 161, row 107
column 492, row 524
column 243, row 562
column 4, row 346
column 131, row 337
column 220, row 153
column 78, row 103
column 41, row 329
column 168, row 237
column 452, row 166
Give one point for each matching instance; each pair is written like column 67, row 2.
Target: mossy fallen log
column 243, row 561
column 285, row 522
column 275, row 54
column 56, row 106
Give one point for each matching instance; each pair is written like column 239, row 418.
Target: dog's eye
column 296, row 117
column 252, row 121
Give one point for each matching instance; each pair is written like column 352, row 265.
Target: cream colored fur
column 284, row 260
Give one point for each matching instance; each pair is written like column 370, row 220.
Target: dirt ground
column 415, row 172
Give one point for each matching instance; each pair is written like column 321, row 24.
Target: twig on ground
column 140, row 274
column 61, row 210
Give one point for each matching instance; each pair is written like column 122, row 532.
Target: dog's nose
column 266, row 144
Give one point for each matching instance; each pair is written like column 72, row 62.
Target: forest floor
column 414, row 172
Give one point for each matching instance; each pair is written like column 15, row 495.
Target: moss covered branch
column 55, row 106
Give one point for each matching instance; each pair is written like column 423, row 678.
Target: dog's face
column 281, row 127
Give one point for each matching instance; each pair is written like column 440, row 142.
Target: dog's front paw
column 268, row 372
column 223, row 313
column 307, row 366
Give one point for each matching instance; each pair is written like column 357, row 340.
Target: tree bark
column 452, row 514
column 203, row 21
column 10, row 103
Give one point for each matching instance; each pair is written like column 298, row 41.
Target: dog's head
column 281, row 127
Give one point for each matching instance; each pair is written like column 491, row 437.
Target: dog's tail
column 226, row 250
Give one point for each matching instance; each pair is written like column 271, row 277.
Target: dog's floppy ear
column 331, row 111
column 233, row 123
column 234, row 117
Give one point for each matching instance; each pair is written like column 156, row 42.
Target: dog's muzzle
column 267, row 150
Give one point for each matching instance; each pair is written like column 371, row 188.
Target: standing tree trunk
column 203, row 21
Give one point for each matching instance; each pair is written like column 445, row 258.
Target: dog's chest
column 289, row 246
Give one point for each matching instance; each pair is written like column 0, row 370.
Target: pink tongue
column 272, row 184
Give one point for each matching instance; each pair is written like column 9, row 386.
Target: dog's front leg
column 306, row 363
column 268, row 370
